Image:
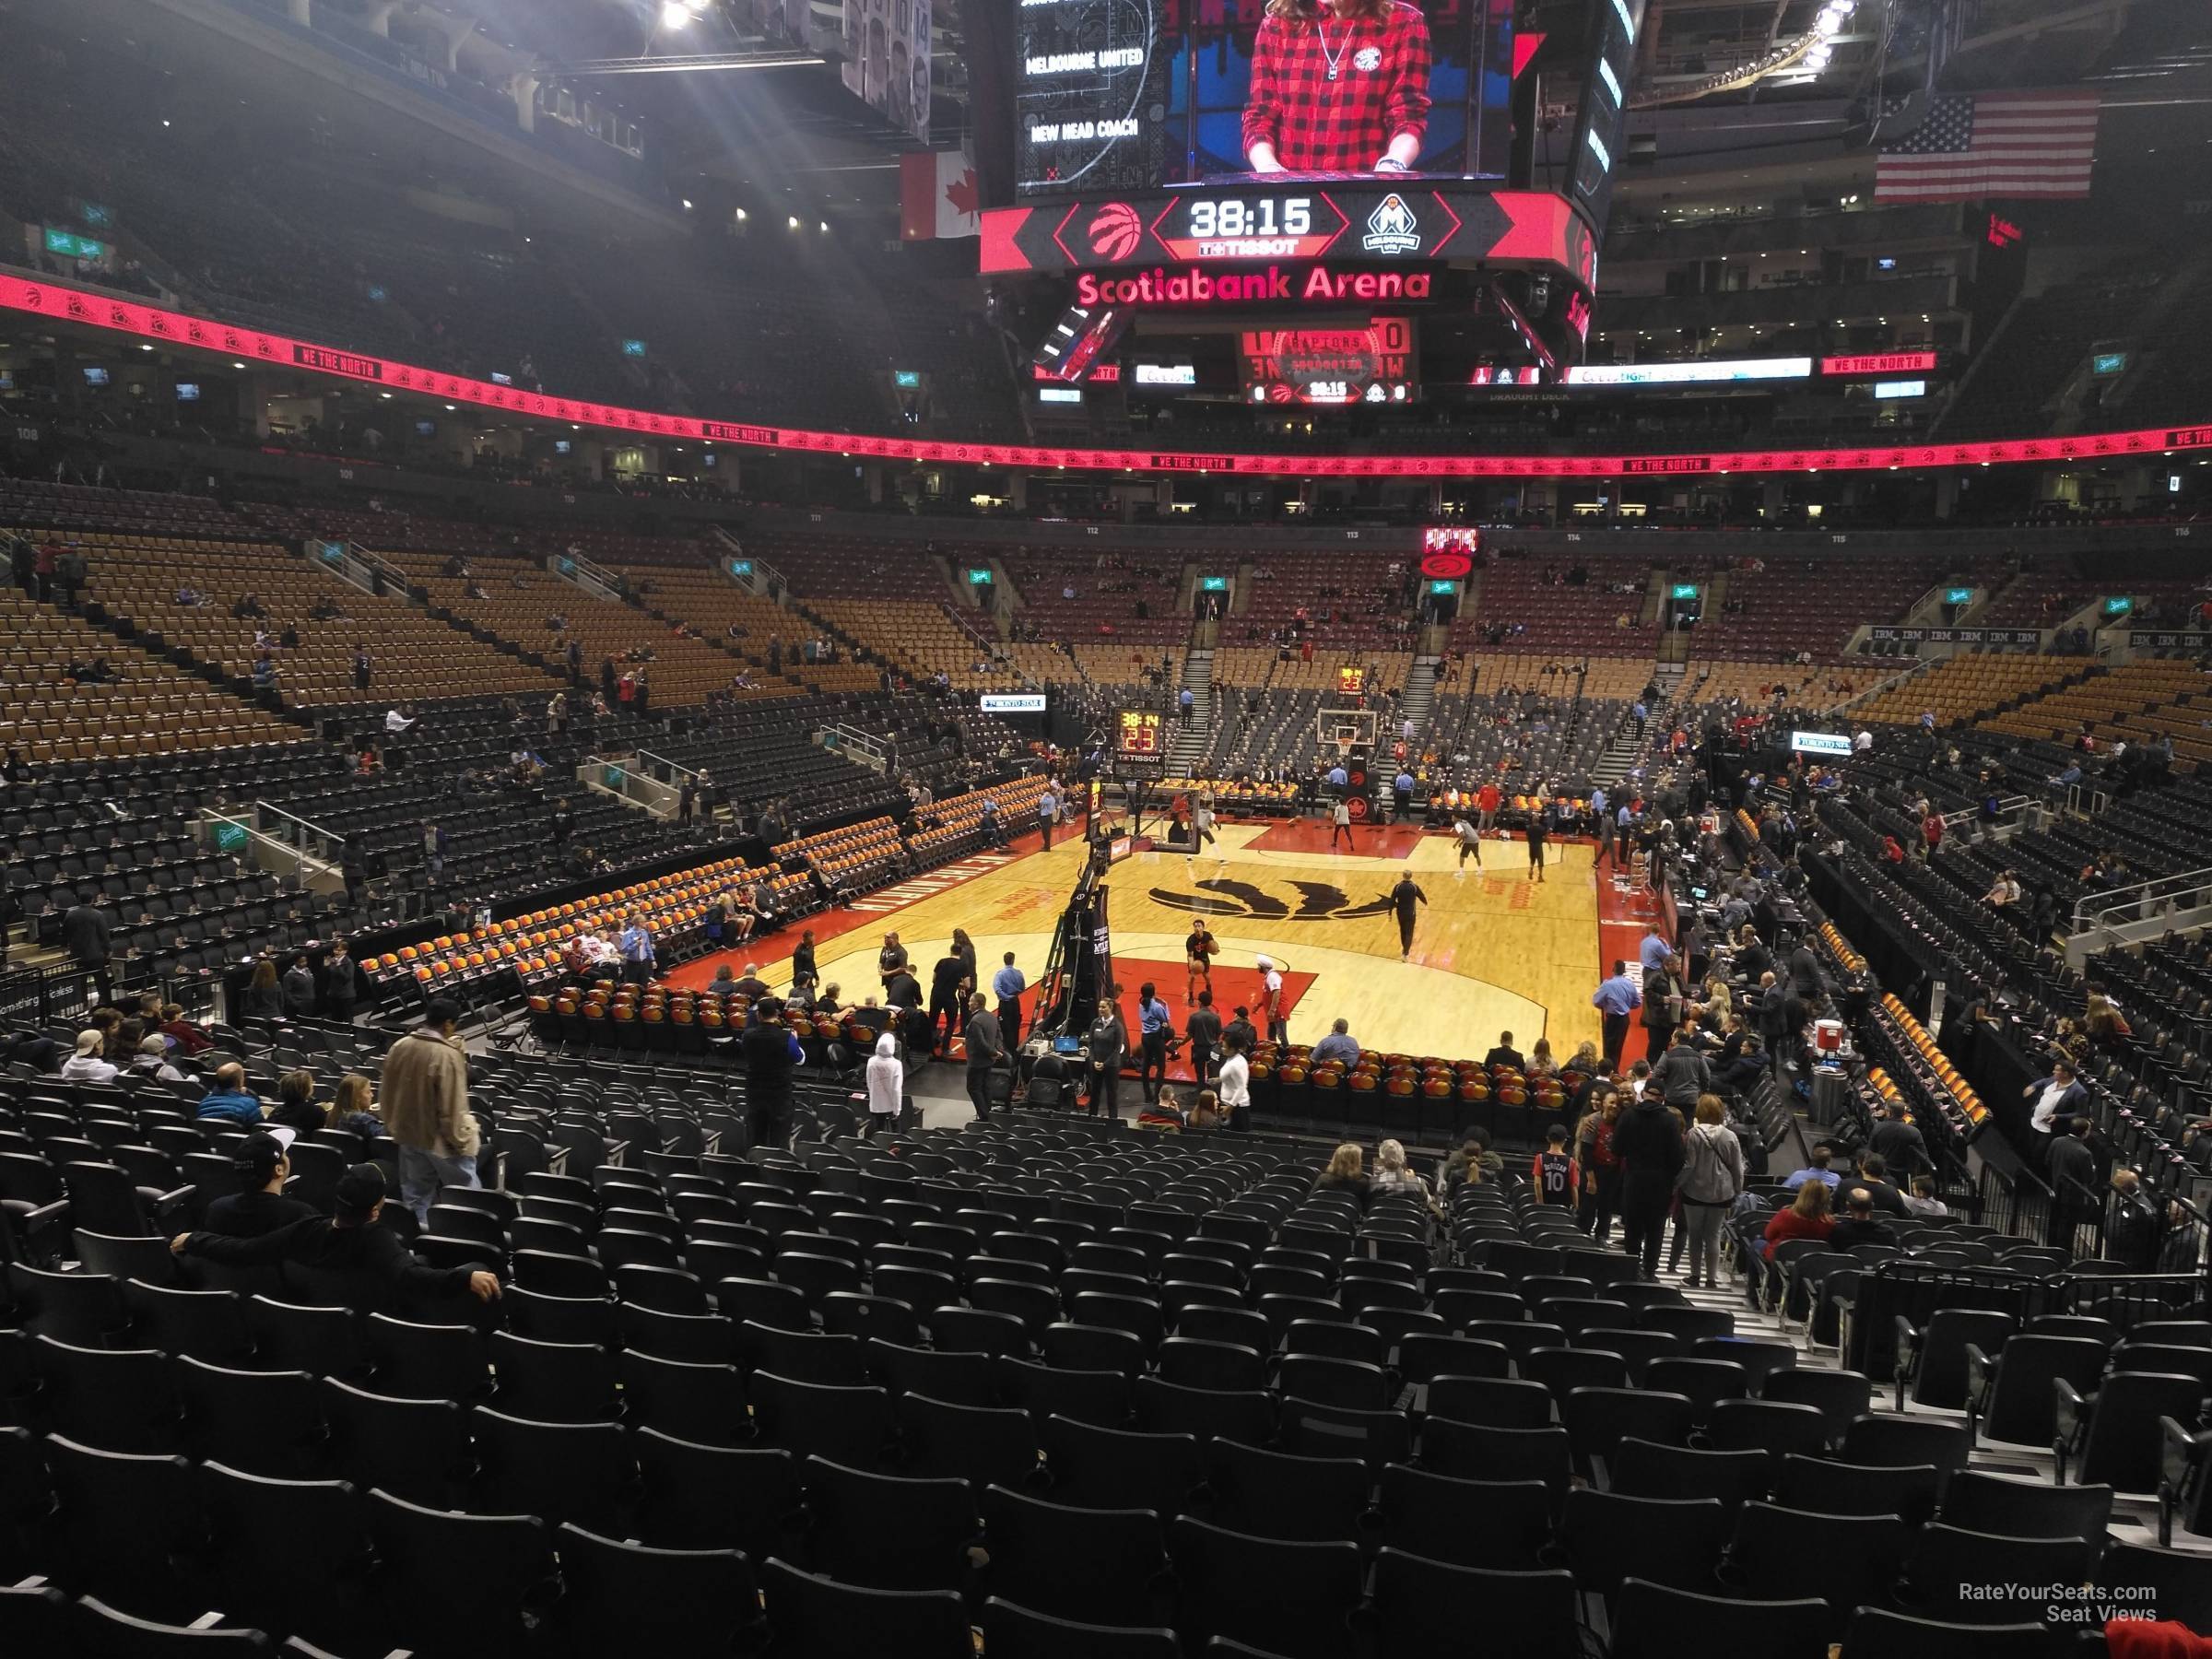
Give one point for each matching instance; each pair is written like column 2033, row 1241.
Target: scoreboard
column 1137, row 735
column 1325, row 366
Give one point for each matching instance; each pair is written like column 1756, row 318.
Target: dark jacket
column 1899, row 1146
column 1648, row 1138
column 373, row 1255
column 299, row 986
column 986, row 1045
column 1357, row 1185
column 249, row 1215
column 1850, row 1232
column 770, row 1052
column 1241, row 1035
column 1502, row 1056
column 2073, row 1170
column 84, row 932
column 1805, row 974
column 1680, row 1075
column 1107, row 1038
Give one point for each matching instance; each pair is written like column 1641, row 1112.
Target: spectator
column 1233, row 1082
column 228, row 1096
column 299, row 989
column 887, row 1087
column 1680, row 1075
column 1345, row 1176
column 86, row 1065
column 771, row 1052
column 347, row 1243
column 1810, row 1215
column 1337, row 1046
column 1600, row 1164
column 264, row 1164
column 152, row 1061
column 351, row 1107
column 1921, row 1200
column 426, row 1109
column 1898, row 1140
column 1816, row 1169
column 1392, row 1176
column 263, row 999
column 190, row 1039
column 1647, row 1141
column 1555, row 1178
column 85, row 936
column 1859, row 1225
column 2073, row 1182
column 343, row 983
column 1504, row 1054
column 986, row 1050
column 1712, row 1175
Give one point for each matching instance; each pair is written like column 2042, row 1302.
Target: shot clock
column 1137, row 735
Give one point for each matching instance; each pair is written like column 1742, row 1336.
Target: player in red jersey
column 1338, row 86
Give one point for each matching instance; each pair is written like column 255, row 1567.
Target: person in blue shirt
column 1048, row 810
column 1154, row 1021
column 1007, row 984
column 231, row 1098
column 1184, row 701
column 1655, row 948
column 1402, row 788
column 1816, row 1169
column 1338, row 778
column 636, row 946
column 1338, row 1045
column 1615, row 999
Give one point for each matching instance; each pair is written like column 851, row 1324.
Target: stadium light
column 793, row 221
column 675, row 14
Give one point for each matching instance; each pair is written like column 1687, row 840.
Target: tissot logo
column 1391, row 228
column 1317, row 901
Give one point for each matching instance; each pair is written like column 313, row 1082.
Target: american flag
column 1977, row 146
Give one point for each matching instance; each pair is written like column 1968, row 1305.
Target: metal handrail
column 330, row 841
column 2143, row 901
column 663, row 760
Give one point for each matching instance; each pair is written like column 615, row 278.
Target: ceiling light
column 793, row 222
column 675, row 15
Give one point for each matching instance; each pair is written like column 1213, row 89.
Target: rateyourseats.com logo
column 2091, row 1606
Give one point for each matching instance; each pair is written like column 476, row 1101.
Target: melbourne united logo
column 1240, row 900
column 1392, row 228
column 1115, row 231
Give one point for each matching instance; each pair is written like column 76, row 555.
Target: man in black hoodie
column 348, row 1244
column 1648, row 1142
column 259, row 1205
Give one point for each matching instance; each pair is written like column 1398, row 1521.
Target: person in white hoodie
column 1712, row 1175
column 887, row 1086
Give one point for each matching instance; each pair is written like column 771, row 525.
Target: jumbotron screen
column 1090, row 89
column 1373, row 363
column 1127, row 95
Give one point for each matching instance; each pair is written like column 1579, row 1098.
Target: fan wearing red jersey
column 1338, row 86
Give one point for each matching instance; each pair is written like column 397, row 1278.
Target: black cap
column 360, row 1189
column 256, row 1157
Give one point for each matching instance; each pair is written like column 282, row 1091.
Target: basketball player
column 1403, row 898
column 1470, row 841
column 1271, row 1000
column 1536, row 832
column 1198, row 952
column 1340, row 823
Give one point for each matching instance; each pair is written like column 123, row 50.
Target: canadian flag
column 936, row 196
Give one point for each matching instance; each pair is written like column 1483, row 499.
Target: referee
column 1403, row 898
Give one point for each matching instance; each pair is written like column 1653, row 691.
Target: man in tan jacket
column 424, row 1100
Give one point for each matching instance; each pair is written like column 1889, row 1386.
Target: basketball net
column 1343, row 751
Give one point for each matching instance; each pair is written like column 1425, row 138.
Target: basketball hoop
column 1344, row 749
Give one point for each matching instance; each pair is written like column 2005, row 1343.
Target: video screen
column 1325, row 367
column 1118, row 96
column 1313, row 87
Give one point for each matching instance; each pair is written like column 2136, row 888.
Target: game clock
column 1137, row 735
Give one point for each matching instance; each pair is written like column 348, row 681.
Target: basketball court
column 1492, row 951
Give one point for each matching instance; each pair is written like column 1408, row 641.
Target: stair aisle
column 1193, row 737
